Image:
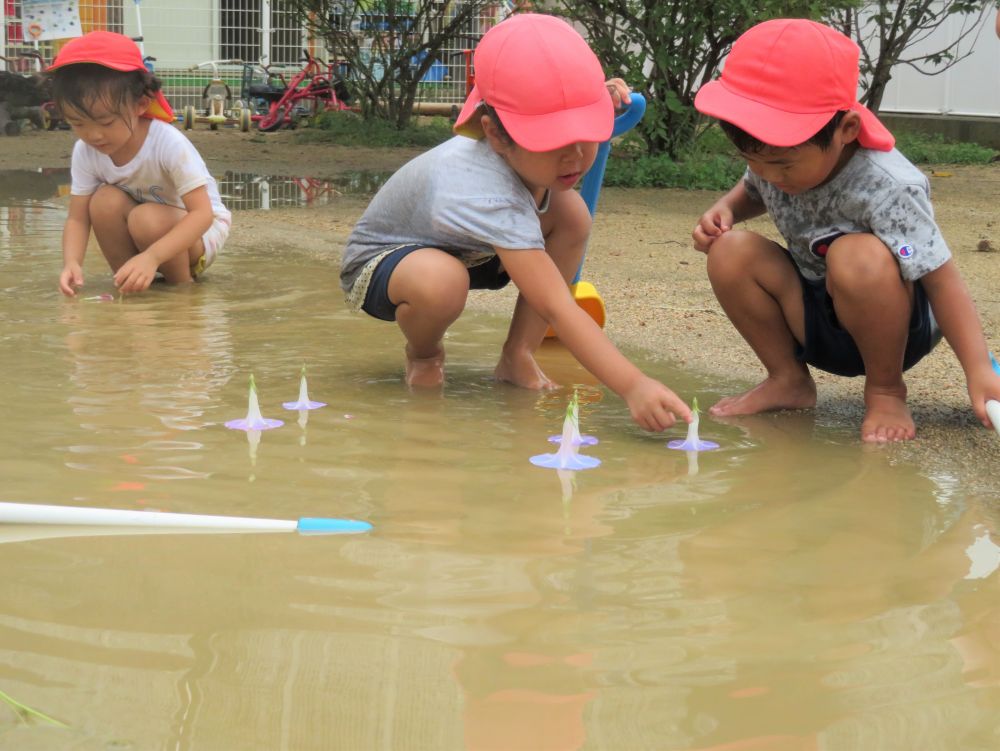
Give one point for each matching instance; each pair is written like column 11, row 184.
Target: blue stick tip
column 315, row 526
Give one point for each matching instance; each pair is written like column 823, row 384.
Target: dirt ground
column 652, row 281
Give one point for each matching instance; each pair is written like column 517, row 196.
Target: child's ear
column 492, row 134
column 142, row 104
column 850, row 127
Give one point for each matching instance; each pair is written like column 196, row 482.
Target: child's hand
column 712, row 225
column 136, row 274
column 655, row 407
column 983, row 385
column 620, row 93
column 71, row 279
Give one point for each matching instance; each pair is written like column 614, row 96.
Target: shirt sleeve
column 83, row 179
column 905, row 223
column 184, row 164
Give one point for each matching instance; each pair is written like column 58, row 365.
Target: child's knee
column 569, row 217
column 733, row 252
column 435, row 282
column 860, row 261
column 580, row 220
column 109, row 202
column 140, row 221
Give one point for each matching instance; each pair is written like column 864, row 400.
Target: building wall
column 970, row 88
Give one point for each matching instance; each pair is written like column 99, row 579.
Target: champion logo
column 905, row 251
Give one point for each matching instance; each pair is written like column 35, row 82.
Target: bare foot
column 522, row 371
column 425, row 372
column 887, row 418
column 770, row 394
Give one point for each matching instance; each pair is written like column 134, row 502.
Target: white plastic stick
column 30, row 513
column 993, row 412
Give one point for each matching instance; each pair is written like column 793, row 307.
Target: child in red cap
column 477, row 213
column 866, row 285
column 137, row 181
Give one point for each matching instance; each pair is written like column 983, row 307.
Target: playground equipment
column 584, row 292
column 219, row 107
column 315, row 88
column 22, row 98
column 20, row 101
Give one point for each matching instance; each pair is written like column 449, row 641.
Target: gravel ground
column 652, row 281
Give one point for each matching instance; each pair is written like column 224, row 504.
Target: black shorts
column 488, row 275
column 829, row 347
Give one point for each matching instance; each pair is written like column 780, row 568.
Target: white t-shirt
column 167, row 167
column 460, row 197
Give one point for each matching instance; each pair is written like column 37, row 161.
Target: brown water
column 791, row 591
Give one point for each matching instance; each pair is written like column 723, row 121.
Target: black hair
column 748, row 144
column 501, row 129
column 81, row 85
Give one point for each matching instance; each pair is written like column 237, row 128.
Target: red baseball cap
column 114, row 51
column 544, row 82
column 783, row 81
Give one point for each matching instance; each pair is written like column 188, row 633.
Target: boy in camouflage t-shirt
column 867, row 284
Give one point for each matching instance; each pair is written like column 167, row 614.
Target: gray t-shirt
column 460, row 197
column 877, row 192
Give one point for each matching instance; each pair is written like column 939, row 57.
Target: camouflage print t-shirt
column 877, row 192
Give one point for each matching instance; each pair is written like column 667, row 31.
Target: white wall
column 970, row 87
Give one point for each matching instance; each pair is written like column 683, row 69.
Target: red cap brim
column 781, row 128
column 767, row 124
column 592, row 123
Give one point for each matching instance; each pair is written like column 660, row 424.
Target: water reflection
column 250, row 191
column 796, row 592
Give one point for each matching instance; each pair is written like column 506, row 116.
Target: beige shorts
column 213, row 240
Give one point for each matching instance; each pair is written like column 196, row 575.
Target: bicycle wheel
column 244, row 118
column 273, row 119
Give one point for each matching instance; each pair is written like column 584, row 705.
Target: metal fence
column 181, row 35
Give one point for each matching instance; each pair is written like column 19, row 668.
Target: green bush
column 712, row 164
column 925, row 148
column 348, row 129
column 694, row 172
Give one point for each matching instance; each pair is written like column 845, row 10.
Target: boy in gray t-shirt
column 481, row 213
column 866, row 279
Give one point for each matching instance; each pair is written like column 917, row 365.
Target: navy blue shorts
column 828, row 345
column 488, row 275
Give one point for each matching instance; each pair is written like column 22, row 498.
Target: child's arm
column 76, row 233
column 956, row 315
column 735, row 206
column 653, row 405
column 137, row 273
